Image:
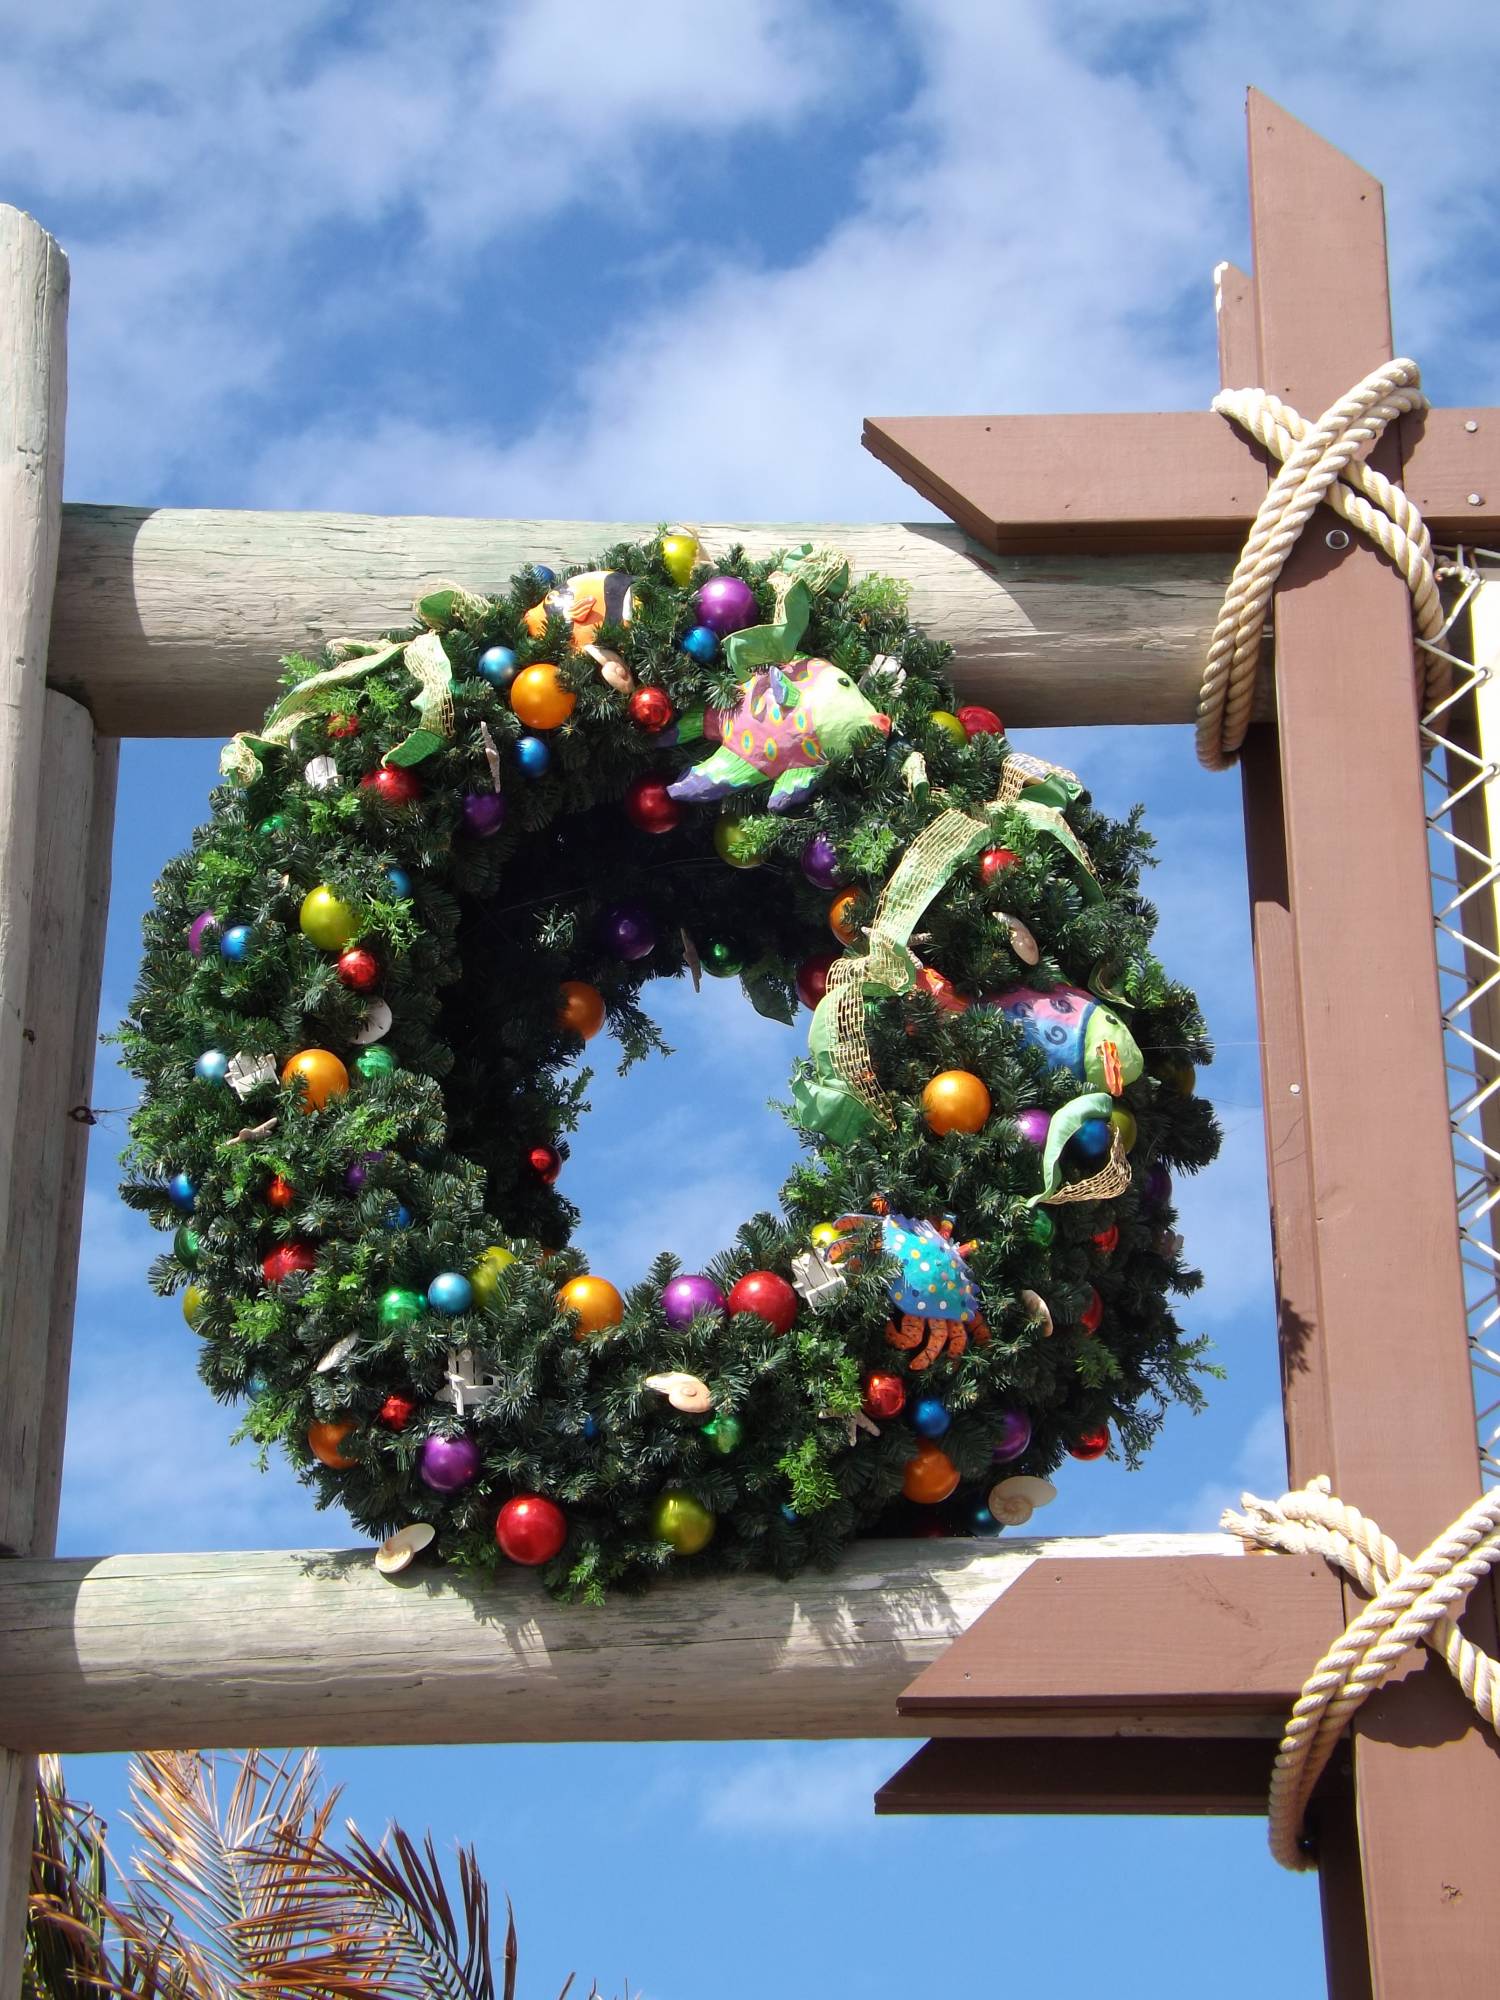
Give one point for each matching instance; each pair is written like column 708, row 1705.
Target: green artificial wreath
column 445, row 860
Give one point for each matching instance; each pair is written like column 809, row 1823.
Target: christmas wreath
column 448, row 860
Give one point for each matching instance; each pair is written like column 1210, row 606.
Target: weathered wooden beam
column 33, row 404
column 171, row 623
column 287, row 1647
column 1206, row 1775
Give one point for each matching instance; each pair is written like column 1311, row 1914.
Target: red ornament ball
column 649, row 807
column 1092, row 1313
column 1106, row 1240
column 393, row 785
column 1090, row 1444
column 530, row 1529
column 885, row 1396
column 343, row 725
column 768, row 1296
column 358, row 968
column 651, row 709
column 812, row 977
column 981, row 722
column 545, row 1162
column 993, row 863
column 396, row 1412
column 287, row 1258
column 281, row 1193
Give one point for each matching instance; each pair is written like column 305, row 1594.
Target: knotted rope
column 1320, row 462
column 1411, row 1602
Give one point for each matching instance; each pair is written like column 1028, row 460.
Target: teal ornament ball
column 212, row 1066
column 399, row 880
column 182, row 1192
column 701, row 644
column 498, row 665
column 235, row 943
column 450, row 1292
column 1092, row 1139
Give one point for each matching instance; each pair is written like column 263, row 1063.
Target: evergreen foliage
column 471, row 961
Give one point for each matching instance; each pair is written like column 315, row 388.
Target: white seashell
column 1026, row 1486
column 1022, row 943
column 491, row 753
column 322, row 774
column 1038, row 1308
column 377, row 1023
column 399, row 1551
column 683, row 1392
column 340, row 1351
column 1009, row 1508
column 612, row 669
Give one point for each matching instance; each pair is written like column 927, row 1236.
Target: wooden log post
column 33, row 401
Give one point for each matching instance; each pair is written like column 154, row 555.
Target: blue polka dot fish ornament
column 1072, row 1030
column 790, row 723
column 936, row 1303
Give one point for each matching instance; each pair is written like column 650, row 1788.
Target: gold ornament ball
column 321, row 1075
column 683, row 1522
column 328, row 922
column 949, row 724
column 595, row 1301
column 539, row 698
column 580, row 1008
column 679, row 552
column 194, row 1302
column 955, row 1101
column 1124, row 1123
column 323, row 1441
column 485, row 1277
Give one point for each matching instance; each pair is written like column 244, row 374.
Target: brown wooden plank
column 1105, row 483
column 1191, row 1633
column 1211, row 1775
column 1390, row 1322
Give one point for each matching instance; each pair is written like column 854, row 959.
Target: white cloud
column 810, row 1792
column 1259, row 1466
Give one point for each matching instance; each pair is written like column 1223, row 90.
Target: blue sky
column 583, row 261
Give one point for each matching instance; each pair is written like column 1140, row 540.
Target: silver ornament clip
column 468, row 1385
column 816, row 1279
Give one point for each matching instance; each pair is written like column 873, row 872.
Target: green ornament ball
column 375, row 1062
column 722, row 958
column 400, row 1307
column 272, row 823
column 186, row 1246
column 684, row 1523
column 1041, row 1228
column 725, row 1434
column 735, row 843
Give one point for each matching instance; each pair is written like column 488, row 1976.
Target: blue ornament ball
column 1091, row 1140
column 533, row 756
column 701, row 644
column 399, row 880
column 930, row 1418
column 450, row 1292
column 543, row 574
column 498, row 665
column 983, row 1522
column 182, row 1192
column 788, row 1511
column 399, row 1217
column 256, row 1385
column 236, row 941
column 590, row 1429
column 212, row 1066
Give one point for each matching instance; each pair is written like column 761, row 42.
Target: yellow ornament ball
column 539, row 698
column 841, row 917
column 1124, row 1123
column 1181, row 1077
column 679, row 552
column 330, row 923
column 682, row 1522
column 950, row 725
column 321, row 1075
column 484, row 1279
column 323, row 1441
column 735, row 843
column 955, row 1101
column 825, row 1234
column 580, row 1008
column 194, row 1302
column 595, row 1301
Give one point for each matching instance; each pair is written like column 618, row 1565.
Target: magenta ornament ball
column 204, row 922
column 689, row 1295
column 484, row 814
column 726, row 604
column 1034, row 1124
column 820, row 862
column 447, row 1465
column 1012, row 1438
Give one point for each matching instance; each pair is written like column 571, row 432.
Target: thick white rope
column 1320, row 462
column 1411, row 1602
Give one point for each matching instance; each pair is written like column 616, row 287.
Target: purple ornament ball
column 726, row 604
column 629, row 931
column 1157, row 1185
column 358, row 1171
column 688, row 1296
column 484, row 814
column 1034, row 1125
column 1013, row 1437
column 448, row 1464
column 820, row 862
column 205, row 921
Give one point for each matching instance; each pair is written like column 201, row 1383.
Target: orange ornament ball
column 323, row 1441
column 321, row 1075
column 280, row 1194
column 539, row 698
column 580, row 1008
column 955, row 1101
column 595, row 1301
column 841, row 917
column 930, row 1477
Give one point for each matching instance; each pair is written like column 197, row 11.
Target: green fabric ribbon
column 241, row 759
column 807, row 573
column 1063, row 1127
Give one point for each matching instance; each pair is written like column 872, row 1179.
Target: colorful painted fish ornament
column 791, row 722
